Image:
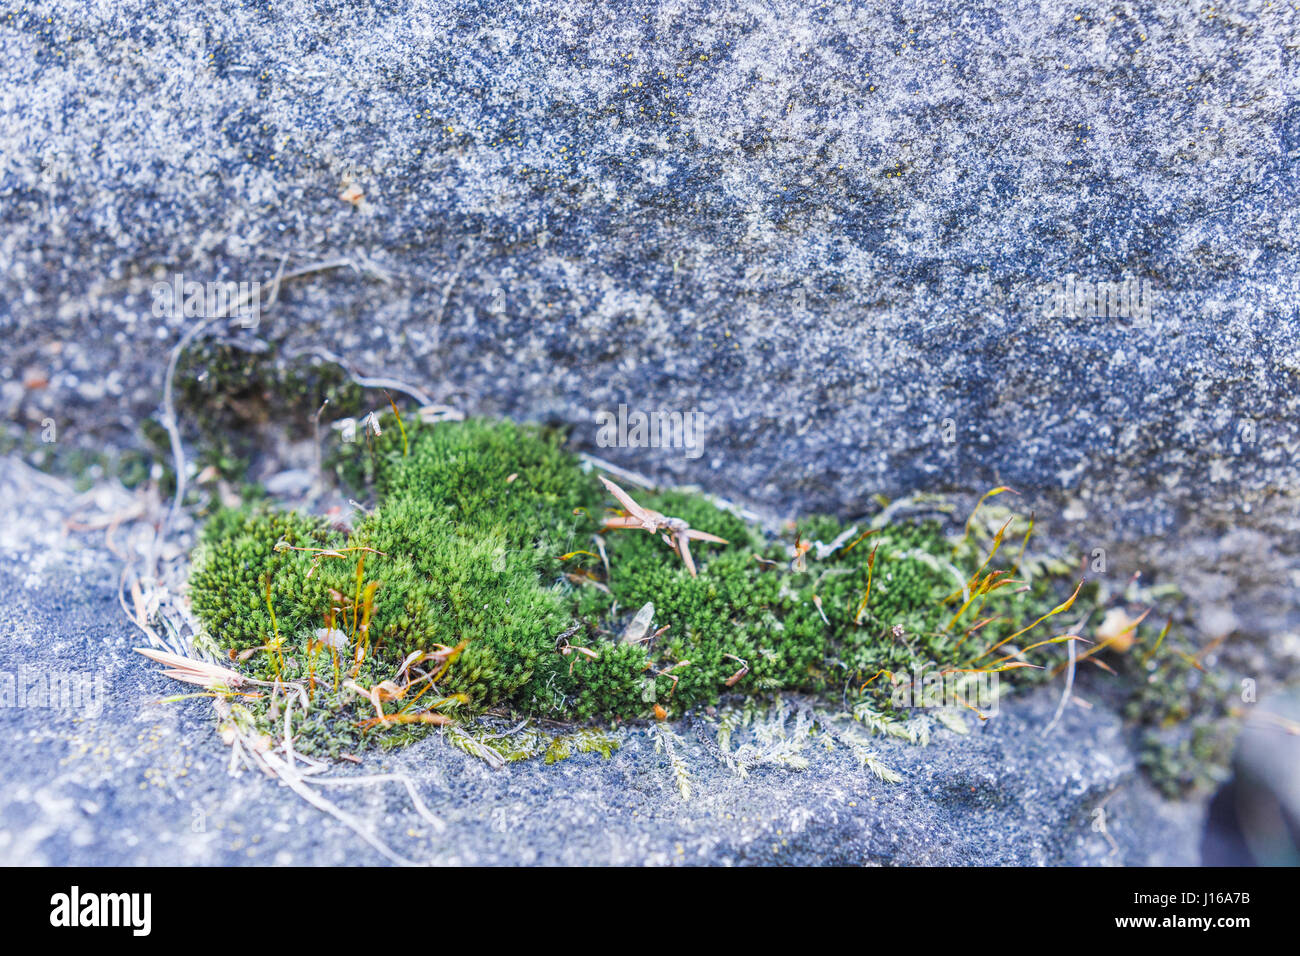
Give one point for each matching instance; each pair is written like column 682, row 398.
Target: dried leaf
column 639, row 625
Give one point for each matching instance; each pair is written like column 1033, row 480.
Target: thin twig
column 1069, row 682
column 169, row 421
column 366, row 381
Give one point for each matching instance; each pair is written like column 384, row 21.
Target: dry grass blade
column 383, row 691
column 866, row 598
column 141, row 611
column 644, row 517
column 458, row 737
column 1056, row 610
column 824, row 551
column 194, row 671
column 279, row 769
column 363, row 781
column 677, row 534
column 682, row 545
column 1065, row 694
column 423, row 717
column 987, row 495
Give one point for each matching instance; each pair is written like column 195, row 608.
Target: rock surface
column 827, row 228
column 114, row 776
column 834, row 231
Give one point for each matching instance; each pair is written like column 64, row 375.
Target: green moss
column 484, row 534
column 227, row 392
column 78, row 457
column 487, row 538
column 1186, row 738
column 232, row 566
column 1191, row 761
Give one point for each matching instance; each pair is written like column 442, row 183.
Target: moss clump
column 228, row 391
column 1182, row 711
column 483, row 548
column 482, row 580
column 232, row 567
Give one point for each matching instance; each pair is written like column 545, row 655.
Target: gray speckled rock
column 116, row 777
column 828, row 228
column 836, row 231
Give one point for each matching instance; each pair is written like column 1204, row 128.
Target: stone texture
column 828, row 228
column 117, row 777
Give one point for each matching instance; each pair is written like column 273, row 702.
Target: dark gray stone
column 1255, row 819
column 828, row 229
column 117, row 777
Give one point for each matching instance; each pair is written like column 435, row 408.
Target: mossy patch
column 482, row 580
column 227, row 392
